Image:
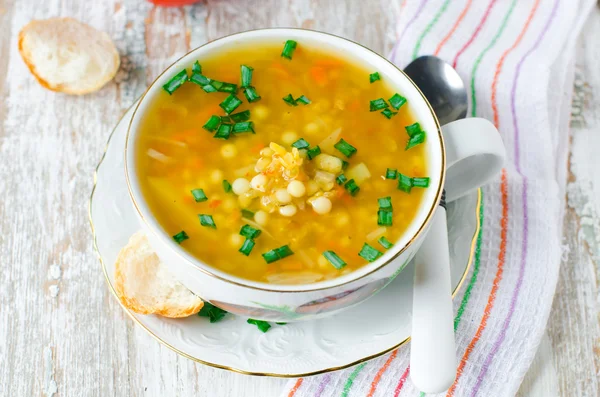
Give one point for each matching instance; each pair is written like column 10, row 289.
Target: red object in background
column 173, row 3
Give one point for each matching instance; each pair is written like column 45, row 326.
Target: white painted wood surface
column 61, row 331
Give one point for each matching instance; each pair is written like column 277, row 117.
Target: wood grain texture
column 61, row 331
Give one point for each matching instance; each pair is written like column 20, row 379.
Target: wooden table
column 62, row 332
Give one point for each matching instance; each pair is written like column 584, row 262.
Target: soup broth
column 318, row 180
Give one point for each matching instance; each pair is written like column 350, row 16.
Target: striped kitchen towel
column 516, row 58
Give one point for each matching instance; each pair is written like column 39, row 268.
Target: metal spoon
column 433, row 355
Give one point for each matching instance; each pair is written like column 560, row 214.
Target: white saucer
column 366, row 331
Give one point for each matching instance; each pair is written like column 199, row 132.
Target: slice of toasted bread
column 68, row 56
column 144, row 284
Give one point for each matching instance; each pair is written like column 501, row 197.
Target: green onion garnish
column 176, row 82
column 180, row 237
column 247, row 214
column 420, row 182
column 384, row 217
column 230, row 103
column 209, row 88
column 212, row 124
column 288, row 49
column 369, row 253
column 247, row 246
column 377, row 104
column 227, row 87
column 277, row 253
column 280, row 323
column 391, row 174
column 240, row 116
column 196, row 68
column 199, row 195
column 249, row 232
column 246, row 73
column 223, row 132
column 388, row 113
column 335, row 260
column 351, row 187
column 345, row 165
column 226, row 119
column 413, row 129
column 385, row 203
column 313, row 152
column 303, row 100
column 199, row 79
column 226, row 186
column 216, row 84
column 213, row 313
column 246, row 126
column 207, row 220
column 301, row 144
column 373, row 77
column 262, row 325
column 415, row 140
column 404, row 183
column 396, row 101
column 341, row 179
column 251, row 94
column 385, row 243
column 347, row 149
column 289, row 99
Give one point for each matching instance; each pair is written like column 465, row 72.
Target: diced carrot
column 354, row 105
column 291, row 266
column 319, row 74
column 188, row 199
column 328, row 62
column 214, row 203
column 257, row 148
column 197, row 163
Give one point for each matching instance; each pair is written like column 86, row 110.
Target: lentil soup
column 282, row 163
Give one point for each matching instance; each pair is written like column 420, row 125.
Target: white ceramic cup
column 466, row 157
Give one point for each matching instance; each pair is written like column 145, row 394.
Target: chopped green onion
column 377, row 104
column 420, row 182
column 385, row 203
column 396, row 101
column 207, row 220
column 213, row 313
column 388, row 113
column 196, row 68
column 391, row 174
column 385, row 243
column 347, row 149
column 288, row 49
column 262, row 325
column 226, row 186
column 226, row 119
column 246, row 126
column 176, row 81
column 240, row 116
column 230, row 103
column 415, row 140
column 289, row 99
column 277, row 253
column 341, row 179
column 301, row 144
column 223, row 132
column 413, row 129
column 335, row 260
column 199, row 79
column 246, row 73
column 303, row 100
column 313, row 152
column 280, row 323
column 369, row 253
column 199, row 195
column 209, row 88
column 212, row 124
column 247, row 246
column 351, row 187
column 384, row 217
column 404, row 183
column 247, row 214
column 251, row 94
column 345, row 165
column 180, row 237
column 216, row 84
column 227, row 87
column 373, row 77
column 249, row 232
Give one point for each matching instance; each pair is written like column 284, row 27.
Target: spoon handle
column 433, row 354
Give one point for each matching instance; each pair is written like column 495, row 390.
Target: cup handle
column 474, row 155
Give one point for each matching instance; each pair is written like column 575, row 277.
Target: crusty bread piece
column 68, row 56
column 144, row 284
